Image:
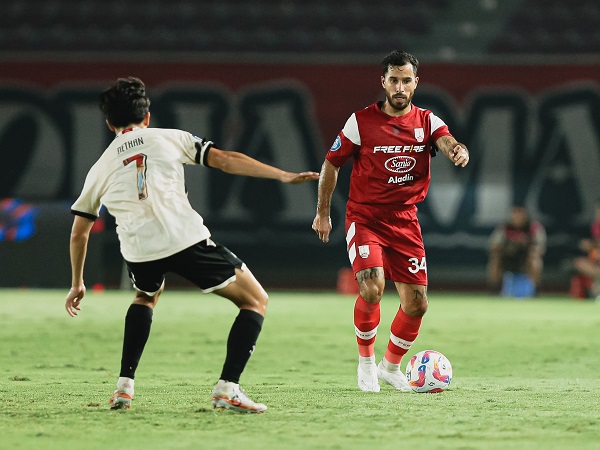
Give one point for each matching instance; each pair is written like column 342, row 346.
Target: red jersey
column 392, row 155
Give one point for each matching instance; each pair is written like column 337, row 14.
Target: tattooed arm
column 455, row 151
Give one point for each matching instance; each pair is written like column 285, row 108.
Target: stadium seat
column 550, row 27
column 227, row 25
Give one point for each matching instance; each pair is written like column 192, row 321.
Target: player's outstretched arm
column 455, row 151
column 239, row 164
column 327, row 182
column 80, row 234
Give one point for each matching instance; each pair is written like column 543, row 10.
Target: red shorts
column 380, row 237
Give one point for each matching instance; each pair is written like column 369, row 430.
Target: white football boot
column 367, row 378
column 394, row 378
column 123, row 395
column 228, row 395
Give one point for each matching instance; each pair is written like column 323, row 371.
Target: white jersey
column 140, row 180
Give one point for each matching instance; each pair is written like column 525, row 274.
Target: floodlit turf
column 525, row 376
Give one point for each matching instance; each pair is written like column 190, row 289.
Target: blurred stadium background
column 516, row 80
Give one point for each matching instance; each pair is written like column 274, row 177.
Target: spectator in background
column 516, row 255
column 586, row 282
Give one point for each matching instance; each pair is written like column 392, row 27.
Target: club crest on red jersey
column 419, row 134
column 363, row 251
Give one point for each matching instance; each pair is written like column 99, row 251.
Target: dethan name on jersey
column 130, row 144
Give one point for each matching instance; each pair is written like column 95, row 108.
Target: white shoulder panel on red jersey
column 350, row 130
column 436, row 122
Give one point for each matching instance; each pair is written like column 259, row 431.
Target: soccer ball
column 429, row 371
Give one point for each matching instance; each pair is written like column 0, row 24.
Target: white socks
column 125, row 384
column 389, row 366
column 366, row 362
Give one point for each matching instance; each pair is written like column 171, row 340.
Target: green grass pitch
column 525, row 375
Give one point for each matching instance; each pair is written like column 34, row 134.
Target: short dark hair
column 398, row 58
column 125, row 102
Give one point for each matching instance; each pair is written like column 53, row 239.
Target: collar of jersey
column 398, row 118
column 127, row 130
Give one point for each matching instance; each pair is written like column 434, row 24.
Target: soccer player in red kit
column 391, row 143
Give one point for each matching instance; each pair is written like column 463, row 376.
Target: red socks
column 404, row 331
column 366, row 320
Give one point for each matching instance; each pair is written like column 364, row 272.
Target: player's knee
column 420, row 308
column 415, row 309
column 263, row 300
column 141, row 298
column 148, row 299
column 253, row 298
column 371, row 292
column 371, row 283
column 416, row 306
column 257, row 302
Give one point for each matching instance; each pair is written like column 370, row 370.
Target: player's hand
column 322, row 226
column 460, row 155
column 74, row 297
column 298, row 178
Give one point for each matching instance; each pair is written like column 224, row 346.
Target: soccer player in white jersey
column 391, row 145
column 140, row 180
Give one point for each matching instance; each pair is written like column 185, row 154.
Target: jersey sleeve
column 88, row 203
column 196, row 149
column 346, row 143
column 438, row 128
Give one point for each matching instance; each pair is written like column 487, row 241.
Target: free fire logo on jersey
column 397, row 148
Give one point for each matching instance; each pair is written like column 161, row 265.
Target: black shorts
column 208, row 265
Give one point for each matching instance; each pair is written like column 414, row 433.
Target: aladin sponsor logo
column 401, row 180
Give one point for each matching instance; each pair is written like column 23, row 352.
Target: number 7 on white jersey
column 140, row 166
